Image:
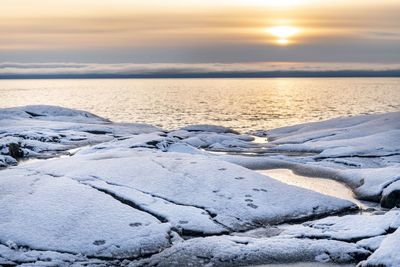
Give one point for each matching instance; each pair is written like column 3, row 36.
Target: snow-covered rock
column 49, row 113
column 208, row 128
column 372, row 243
column 388, row 253
column 244, row 251
column 215, row 139
column 349, row 228
column 326, row 134
column 43, row 131
column 232, row 196
column 60, row 214
column 131, row 190
column 374, row 184
column 391, row 194
column 185, row 219
column 361, row 151
column 12, row 255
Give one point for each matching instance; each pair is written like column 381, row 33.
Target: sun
column 283, row 33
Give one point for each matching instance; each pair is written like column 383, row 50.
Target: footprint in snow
column 99, row 242
column 251, row 205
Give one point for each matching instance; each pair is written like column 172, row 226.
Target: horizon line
column 226, row 74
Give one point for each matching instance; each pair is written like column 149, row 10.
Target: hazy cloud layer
column 32, row 70
column 193, row 31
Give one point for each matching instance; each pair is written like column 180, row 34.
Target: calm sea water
column 242, row 104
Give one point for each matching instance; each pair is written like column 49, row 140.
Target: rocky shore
column 77, row 189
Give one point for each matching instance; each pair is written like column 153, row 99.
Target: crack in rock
column 132, row 203
column 128, row 202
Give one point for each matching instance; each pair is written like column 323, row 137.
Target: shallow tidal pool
column 321, row 185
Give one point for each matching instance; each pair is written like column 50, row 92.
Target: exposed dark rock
column 97, row 132
column 391, row 200
column 33, row 114
column 153, row 143
column 15, row 151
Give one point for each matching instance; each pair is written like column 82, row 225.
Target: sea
column 242, row 104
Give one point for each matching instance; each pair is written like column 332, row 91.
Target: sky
column 203, row 32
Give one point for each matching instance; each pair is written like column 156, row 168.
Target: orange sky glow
column 74, row 28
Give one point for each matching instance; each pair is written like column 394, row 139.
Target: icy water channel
column 321, row 185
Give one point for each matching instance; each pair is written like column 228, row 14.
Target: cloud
column 257, row 69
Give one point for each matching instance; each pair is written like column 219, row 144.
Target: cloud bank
column 9, row 70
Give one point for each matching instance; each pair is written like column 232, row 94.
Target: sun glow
column 283, row 3
column 283, row 33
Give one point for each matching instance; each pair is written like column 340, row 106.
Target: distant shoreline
column 270, row 74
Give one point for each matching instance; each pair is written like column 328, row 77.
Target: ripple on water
column 241, row 104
